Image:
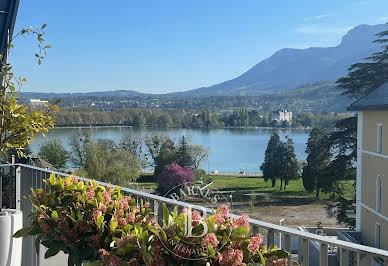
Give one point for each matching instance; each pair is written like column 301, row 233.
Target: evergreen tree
column 272, row 161
column 362, row 78
column 166, row 155
column 184, row 158
column 367, row 76
column 290, row 166
column 315, row 174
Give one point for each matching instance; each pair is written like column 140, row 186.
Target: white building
column 282, row 115
column 37, row 103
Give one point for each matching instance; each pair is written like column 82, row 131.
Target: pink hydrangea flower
column 274, row 261
column 90, row 195
column 107, row 196
column 122, row 222
column 232, row 257
column 96, row 213
column 218, row 219
column 241, row 221
column 73, row 179
column 224, row 211
column 210, row 239
column 196, row 216
column 45, row 227
column 255, row 243
column 131, row 218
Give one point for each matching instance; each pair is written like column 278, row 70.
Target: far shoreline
column 125, row 126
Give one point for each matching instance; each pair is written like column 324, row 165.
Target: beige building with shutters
column 372, row 167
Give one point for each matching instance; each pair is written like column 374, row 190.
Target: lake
column 231, row 150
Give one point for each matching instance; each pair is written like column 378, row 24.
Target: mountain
column 44, row 95
column 289, row 68
column 314, row 97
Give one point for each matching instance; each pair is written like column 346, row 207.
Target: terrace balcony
column 307, row 248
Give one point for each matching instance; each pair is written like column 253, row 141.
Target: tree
column 132, row 144
column 198, row 154
column 139, row 120
column 18, row 126
column 54, row 153
column 364, row 77
column 154, row 144
column 361, row 79
column 315, row 174
column 290, row 165
column 174, row 175
column 108, row 145
column 78, row 144
column 184, row 158
column 166, row 156
column 272, row 163
column 115, row 167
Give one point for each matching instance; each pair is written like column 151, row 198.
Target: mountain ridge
column 278, row 72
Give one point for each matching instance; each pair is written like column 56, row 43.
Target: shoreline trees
column 280, row 161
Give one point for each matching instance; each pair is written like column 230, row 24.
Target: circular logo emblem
column 188, row 229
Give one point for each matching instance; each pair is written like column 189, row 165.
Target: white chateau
column 282, row 115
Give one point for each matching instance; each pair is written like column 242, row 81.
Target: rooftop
column 376, row 100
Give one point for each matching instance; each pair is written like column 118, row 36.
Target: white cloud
column 382, row 20
column 313, row 29
column 318, row 17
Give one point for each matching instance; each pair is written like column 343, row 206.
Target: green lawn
column 249, row 184
column 244, row 184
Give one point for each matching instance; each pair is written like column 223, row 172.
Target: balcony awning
column 8, row 11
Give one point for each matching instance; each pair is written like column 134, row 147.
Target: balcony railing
column 18, row 179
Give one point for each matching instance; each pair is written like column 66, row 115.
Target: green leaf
column 22, row 232
column 113, row 225
column 166, row 215
column 43, row 26
column 54, row 216
column 278, row 253
column 239, row 232
column 100, row 221
column 51, row 252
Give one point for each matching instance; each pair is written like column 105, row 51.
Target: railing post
column 18, row 173
column 364, row 259
column 304, row 252
column 344, row 257
column 385, row 261
column 323, row 259
column 271, row 238
column 287, row 246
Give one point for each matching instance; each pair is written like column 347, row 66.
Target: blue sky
column 159, row 46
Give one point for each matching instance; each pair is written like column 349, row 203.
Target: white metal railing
column 348, row 253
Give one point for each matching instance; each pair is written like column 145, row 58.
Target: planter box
column 10, row 248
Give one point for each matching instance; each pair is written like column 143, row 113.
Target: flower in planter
column 224, row 242
column 90, row 222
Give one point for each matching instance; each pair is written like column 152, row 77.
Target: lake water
column 231, row 150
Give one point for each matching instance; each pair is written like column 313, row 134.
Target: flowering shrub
column 174, row 175
column 89, row 222
column 225, row 241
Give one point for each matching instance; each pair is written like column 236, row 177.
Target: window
column 377, row 236
column 378, row 194
column 380, row 138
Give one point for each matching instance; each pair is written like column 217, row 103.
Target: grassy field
column 255, row 184
column 258, row 199
column 246, row 184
